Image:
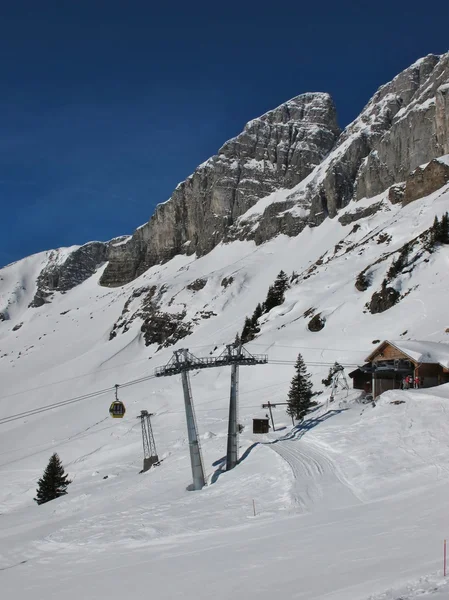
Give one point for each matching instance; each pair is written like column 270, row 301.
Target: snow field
column 352, row 506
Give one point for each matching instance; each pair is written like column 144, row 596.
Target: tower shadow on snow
column 296, row 433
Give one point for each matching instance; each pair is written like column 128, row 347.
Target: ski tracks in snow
column 318, row 483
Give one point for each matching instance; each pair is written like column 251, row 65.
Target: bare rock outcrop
column 66, row 269
column 383, row 300
column 425, row 180
column 277, row 150
column 373, row 152
column 419, row 132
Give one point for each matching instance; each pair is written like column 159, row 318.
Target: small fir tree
column 256, row 315
column 245, row 336
column 300, row 393
column 444, row 229
column 53, row 483
column 276, row 292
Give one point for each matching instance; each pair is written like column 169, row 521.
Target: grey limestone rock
column 405, row 124
column 419, row 132
column 383, row 300
column 64, row 273
column 423, row 181
column 360, row 213
column 275, row 151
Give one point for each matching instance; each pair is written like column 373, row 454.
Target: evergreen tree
column 435, row 232
column 270, row 300
column 246, row 331
column 300, row 393
column 276, row 292
column 256, row 315
column 444, row 229
column 281, row 285
column 53, row 483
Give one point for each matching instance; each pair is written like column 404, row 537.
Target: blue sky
column 106, row 105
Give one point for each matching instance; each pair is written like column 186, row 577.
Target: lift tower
column 150, row 456
column 184, row 361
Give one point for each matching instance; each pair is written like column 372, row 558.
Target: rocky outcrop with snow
column 277, row 150
column 419, row 131
column 242, row 192
column 404, row 125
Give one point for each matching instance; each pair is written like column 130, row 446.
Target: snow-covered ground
column 351, row 505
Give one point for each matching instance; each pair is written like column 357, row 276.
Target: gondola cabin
column 117, row 410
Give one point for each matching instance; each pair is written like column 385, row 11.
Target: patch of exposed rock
column 396, row 193
column 425, row 181
column 418, row 133
column 374, row 152
column 197, row 285
column 157, row 326
column 227, row 281
column 383, row 300
column 64, row 272
column 316, row 323
column 148, row 306
column 360, row 213
column 362, row 282
column 277, row 150
column 165, row 329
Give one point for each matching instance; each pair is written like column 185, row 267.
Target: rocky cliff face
column 403, row 125
column 288, row 169
column 277, row 150
column 419, row 131
column 65, row 270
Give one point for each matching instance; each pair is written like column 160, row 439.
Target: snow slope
column 353, row 505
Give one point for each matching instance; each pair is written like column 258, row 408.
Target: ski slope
column 320, row 530
column 351, row 505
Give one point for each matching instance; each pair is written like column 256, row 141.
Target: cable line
column 62, row 403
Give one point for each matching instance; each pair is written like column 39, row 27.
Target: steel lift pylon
column 184, row 361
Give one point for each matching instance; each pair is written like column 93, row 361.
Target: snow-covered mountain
column 330, row 496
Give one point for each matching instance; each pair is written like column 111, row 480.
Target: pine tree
column 53, row 483
column 435, row 232
column 444, row 229
column 245, row 336
column 300, row 393
column 256, row 315
column 280, row 285
column 276, row 292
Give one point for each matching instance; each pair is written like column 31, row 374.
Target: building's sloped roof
column 422, row 351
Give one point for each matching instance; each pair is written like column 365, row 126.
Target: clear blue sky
column 105, row 105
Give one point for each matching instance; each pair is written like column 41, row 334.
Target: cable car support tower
column 184, row 361
column 150, row 456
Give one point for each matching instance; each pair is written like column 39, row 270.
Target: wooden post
column 254, row 511
column 271, row 415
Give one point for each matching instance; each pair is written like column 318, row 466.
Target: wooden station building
column 392, row 362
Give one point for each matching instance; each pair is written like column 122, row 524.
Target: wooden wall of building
column 389, row 353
